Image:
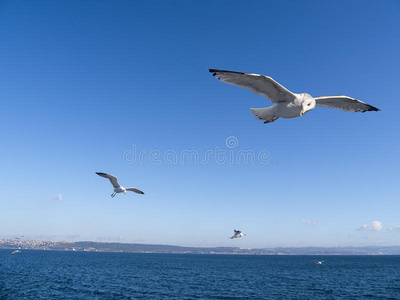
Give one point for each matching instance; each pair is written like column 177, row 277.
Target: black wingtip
column 213, row 71
column 371, row 108
column 217, row 70
column 100, row 173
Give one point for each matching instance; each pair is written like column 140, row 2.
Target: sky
column 122, row 87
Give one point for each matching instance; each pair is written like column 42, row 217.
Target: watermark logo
column 231, row 142
column 228, row 154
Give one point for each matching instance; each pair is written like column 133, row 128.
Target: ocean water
column 90, row 275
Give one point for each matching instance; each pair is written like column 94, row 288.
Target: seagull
column 16, row 251
column 319, row 262
column 117, row 187
column 237, row 234
column 288, row 104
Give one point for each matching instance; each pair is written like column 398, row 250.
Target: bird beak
column 125, row 192
column 302, row 113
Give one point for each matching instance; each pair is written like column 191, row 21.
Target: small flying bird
column 237, row 234
column 319, row 262
column 288, row 104
column 117, row 187
column 16, row 251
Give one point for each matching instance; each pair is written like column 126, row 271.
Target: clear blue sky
column 83, row 82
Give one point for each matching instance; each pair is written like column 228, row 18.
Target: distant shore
column 150, row 248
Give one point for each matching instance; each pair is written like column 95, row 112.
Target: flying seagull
column 117, row 187
column 288, row 104
column 319, row 262
column 16, row 251
column 237, row 234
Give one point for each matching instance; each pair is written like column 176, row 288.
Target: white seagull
column 16, row 251
column 319, row 262
column 117, row 187
column 237, row 234
column 288, row 104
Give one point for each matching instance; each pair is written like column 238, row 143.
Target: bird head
column 308, row 103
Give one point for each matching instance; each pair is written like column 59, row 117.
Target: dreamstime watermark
column 225, row 155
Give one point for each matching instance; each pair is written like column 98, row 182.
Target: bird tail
column 264, row 114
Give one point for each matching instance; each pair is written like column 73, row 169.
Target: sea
column 35, row 274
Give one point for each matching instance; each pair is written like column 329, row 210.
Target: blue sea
column 93, row 275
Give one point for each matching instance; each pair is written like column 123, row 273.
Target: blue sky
column 85, row 82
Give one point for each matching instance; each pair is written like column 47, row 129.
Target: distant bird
column 237, row 234
column 117, row 187
column 319, row 262
column 16, row 251
column 288, row 104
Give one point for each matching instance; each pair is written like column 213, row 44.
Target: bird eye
column 309, row 104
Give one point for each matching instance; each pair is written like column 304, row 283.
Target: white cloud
column 374, row 226
column 56, row 198
column 308, row 222
column 396, row 228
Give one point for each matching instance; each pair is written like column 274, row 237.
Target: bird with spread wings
column 117, row 187
column 287, row 104
column 237, row 234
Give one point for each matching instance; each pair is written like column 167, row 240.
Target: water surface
column 90, row 275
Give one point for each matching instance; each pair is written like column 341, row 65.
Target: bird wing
column 258, row 84
column 132, row 189
column 344, row 103
column 113, row 179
